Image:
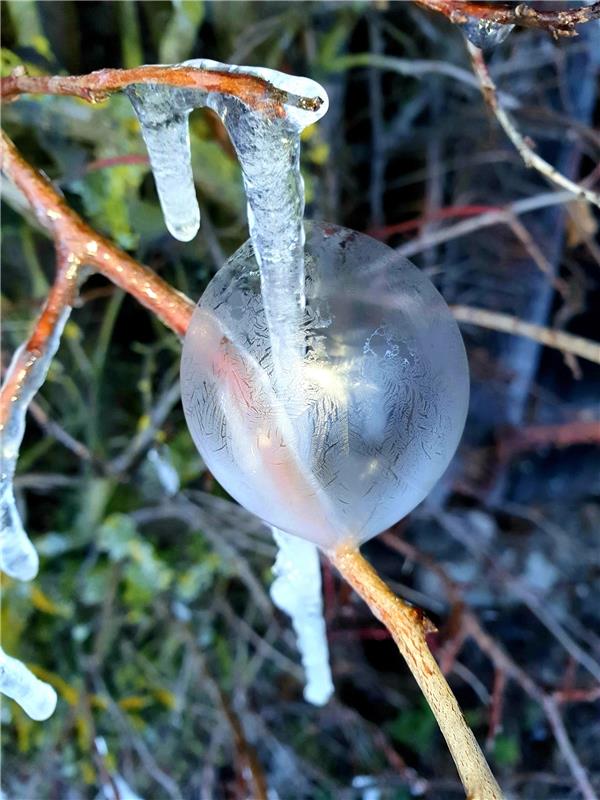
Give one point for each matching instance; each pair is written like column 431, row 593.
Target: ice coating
column 297, row 591
column 382, row 390
column 268, row 148
column 36, row 698
column 17, row 555
column 485, row 33
column 165, row 129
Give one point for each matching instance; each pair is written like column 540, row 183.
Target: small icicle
column 268, row 148
column 165, row 128
column 297, row 591
column 17, row 555
column 36, row 698
column 485, row 33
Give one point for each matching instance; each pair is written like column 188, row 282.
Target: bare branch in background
column 566, row 342
column 559, row 22
column 531, row 158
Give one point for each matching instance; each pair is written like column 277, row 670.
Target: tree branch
column 95, row 87
column 47, row 326
column 559, row 22
column 531, row 158
column 85, row 245
column 505, row 323
column 409, row 628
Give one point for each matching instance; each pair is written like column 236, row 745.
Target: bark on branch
column 409, row 628
column 95, row 87
column 558, row 22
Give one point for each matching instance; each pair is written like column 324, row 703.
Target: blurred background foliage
column 150, row 614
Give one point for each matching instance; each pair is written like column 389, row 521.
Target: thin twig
column 409, row 628
column 501, row 660
column 565, row 342
column 559, row 22
column 531, row 158
column 489, row 217
column 86, row 246
column 95, row 87
column 47, row 326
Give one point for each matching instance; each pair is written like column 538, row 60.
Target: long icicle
column 297, row 591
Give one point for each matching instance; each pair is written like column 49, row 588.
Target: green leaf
column 105, row 194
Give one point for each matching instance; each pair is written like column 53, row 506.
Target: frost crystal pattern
column 380, row 395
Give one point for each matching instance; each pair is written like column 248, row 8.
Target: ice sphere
column 376, row 402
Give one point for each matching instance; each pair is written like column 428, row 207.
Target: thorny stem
column 409, row 628
column 529, row 156
column 558, row 22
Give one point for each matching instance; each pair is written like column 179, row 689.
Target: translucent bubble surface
column 376, row 401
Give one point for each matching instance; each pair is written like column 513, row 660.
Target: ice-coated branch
column 76, row 245
column 253, row 90
column 36, row 698
column 557, row 21
column 297, row 591
column 24, row 377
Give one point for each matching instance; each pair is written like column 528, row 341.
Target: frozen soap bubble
column 366, row 419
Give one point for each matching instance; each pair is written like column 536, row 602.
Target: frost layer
column 297, row 591
column 381, row 399
column 36, row 698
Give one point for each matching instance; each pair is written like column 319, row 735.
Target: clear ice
column 268, row 149
column 485, row 33
column 36, row 698
column 384, row 389
column 297, row 591
column 18, row 557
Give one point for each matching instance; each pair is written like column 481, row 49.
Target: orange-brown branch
column 256, row 92
column 60, row 298
column 89, row 247
column 558, row 22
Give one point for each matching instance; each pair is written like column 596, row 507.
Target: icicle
column 485, row 33
column 268, row 149
column 17, row 555
column 297, row 591
column 164, row 471
column 36, row 698
column 166, row 133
